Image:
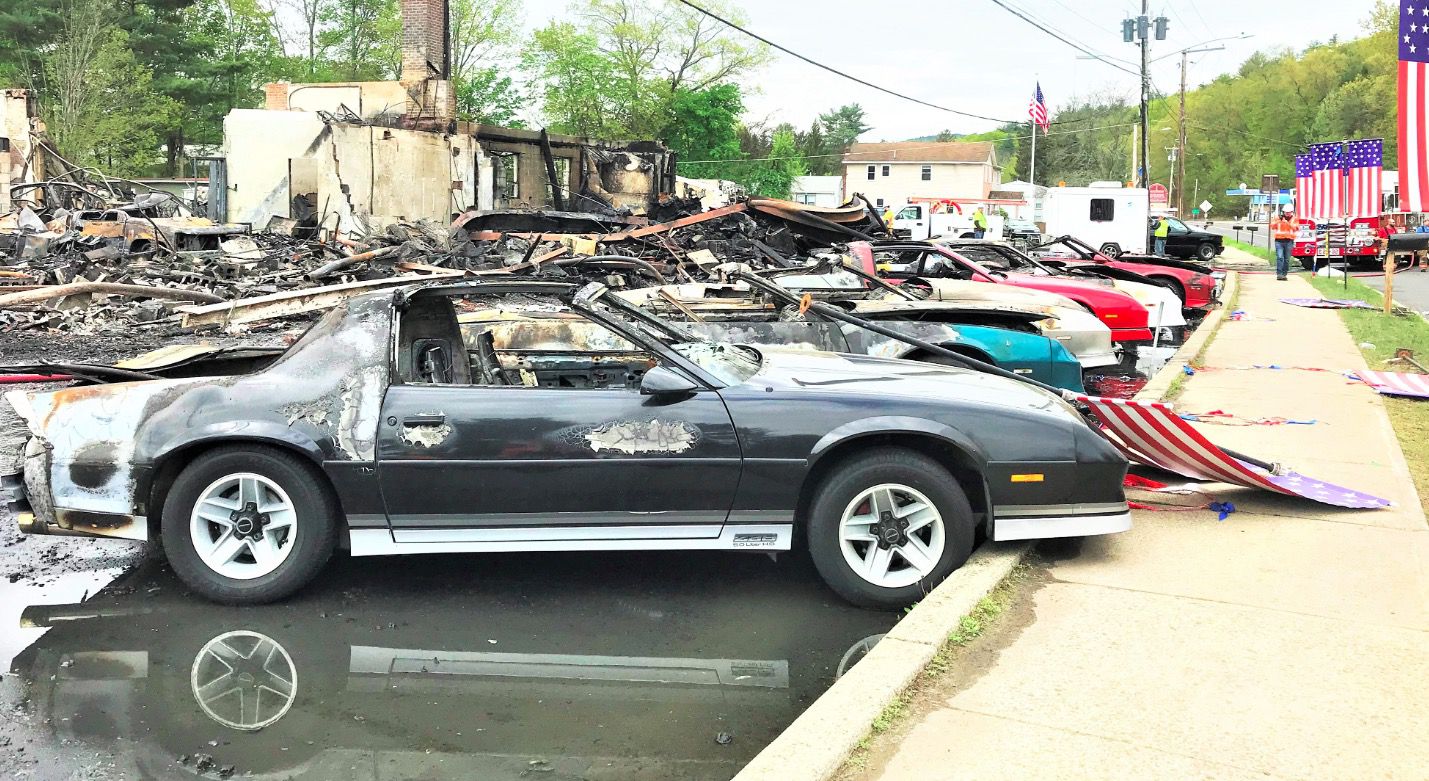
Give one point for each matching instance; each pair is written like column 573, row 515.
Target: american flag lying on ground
column 1397, row 383
column 1327, row 303
column 1150, row 433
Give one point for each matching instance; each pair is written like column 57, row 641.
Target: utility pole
column 1181, row 156
column 1143, row 23
column 1140, row 29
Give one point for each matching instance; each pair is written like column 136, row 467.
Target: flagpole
column 1032, row 167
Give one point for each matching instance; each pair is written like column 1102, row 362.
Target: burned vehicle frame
column 380, row 431
column 761, row 312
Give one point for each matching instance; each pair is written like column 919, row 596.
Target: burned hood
column 862, row 376
column 963, row 290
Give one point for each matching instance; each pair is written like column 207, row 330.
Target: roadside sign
column 1270, row 183
column 1206, row 206
column 1158, row 194
column 1195, row 212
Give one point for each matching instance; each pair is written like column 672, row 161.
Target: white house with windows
column 817, row 190
column 889, row 173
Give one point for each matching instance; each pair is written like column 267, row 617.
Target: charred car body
column 1007, row 336
column 381, row 431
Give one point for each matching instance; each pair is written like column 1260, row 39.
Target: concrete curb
column 1159, row 385
column 815, row 746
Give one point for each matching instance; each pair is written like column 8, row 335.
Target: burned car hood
column 883, row 378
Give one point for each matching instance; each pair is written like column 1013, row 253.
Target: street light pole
column 1144, row 179
column 1181, row 155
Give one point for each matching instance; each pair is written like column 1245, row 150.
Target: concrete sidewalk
column 1289, row 641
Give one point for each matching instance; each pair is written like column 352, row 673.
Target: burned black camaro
column 423, row 421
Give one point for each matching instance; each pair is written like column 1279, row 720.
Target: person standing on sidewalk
column 1163, row 229
column 979, row 223
column 1283, row 230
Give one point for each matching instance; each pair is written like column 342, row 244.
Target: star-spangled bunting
column 1336, row 180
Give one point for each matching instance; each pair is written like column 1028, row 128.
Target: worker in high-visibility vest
column 1163, row 229
column 979, row 223
column 888, row 218
column 1283, row 231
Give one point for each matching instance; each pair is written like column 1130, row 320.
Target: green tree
column 359, row 38
column 106, row 113
column 621, row 67
column 774, row 176
column 486, row 95
column 704, row 125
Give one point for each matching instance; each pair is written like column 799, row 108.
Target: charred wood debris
column 108, row 262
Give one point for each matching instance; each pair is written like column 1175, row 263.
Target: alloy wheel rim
column 244, row 680
column 891, row 535
column 243, row 526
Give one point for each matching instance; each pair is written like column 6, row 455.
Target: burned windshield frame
column 587, row 296
column 835, row 266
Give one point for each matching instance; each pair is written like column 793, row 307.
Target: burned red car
column 1195, row 283
column 902, row 260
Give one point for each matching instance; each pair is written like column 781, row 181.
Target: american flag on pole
column 1339, row 179
column 1037, row 109
column 1413, row 54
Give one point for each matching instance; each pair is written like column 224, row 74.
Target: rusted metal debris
column 108, row 270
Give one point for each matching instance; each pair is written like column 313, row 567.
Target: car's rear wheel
column 887, row 526
column 248, row 525
column 1206, row 252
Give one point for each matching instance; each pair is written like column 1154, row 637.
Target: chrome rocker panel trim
column 750, row 537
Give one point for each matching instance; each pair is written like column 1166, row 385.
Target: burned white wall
column 360, row 176
column 15, row 128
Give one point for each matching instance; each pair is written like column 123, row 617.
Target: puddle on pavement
column 1123, row 381
column 554, row 666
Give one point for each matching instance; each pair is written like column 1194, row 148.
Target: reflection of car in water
column 496, row 680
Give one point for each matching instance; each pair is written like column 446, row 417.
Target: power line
column 1024, row 17
column 838, row 72
column 905, row 149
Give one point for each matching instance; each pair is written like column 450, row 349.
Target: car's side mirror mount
column 663, row 381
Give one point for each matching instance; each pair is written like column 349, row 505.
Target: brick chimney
column 426, row 60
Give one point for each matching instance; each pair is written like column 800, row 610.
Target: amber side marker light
column 1028, row 478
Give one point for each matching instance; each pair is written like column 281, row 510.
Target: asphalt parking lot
column 556, row 666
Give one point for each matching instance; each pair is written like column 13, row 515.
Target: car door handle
column 425, row 419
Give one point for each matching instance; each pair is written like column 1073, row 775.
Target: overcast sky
column 973, row 55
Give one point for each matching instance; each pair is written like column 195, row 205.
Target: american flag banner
column 1151, row 433
column 1340, row 179
column 1037, row 109
column 1413, row 54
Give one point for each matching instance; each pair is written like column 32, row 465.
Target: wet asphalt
column 518, row 666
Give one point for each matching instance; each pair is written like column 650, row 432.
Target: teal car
column 1004, row 336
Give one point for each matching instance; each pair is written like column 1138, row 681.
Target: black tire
column 1111, row 249
column 1307, row 263
column 1206, row 252
column 315, row 531
column 863, row 471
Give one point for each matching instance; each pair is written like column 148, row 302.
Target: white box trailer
column 1110, row 217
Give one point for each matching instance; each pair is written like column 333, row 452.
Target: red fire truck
column 1319, row 243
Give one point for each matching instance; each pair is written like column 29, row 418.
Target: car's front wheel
column 1206, row 252
column 248, row 525
column 887, row 526
column 1111, row 249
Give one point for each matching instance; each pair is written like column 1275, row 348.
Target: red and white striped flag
column 1037, row 109
column 1337, row 180
column 1413, row 54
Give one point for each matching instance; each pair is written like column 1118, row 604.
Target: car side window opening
column 911, row 213
column 1178, row 226
column 1103, row 210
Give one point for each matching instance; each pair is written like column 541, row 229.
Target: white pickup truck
column 918, row 221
